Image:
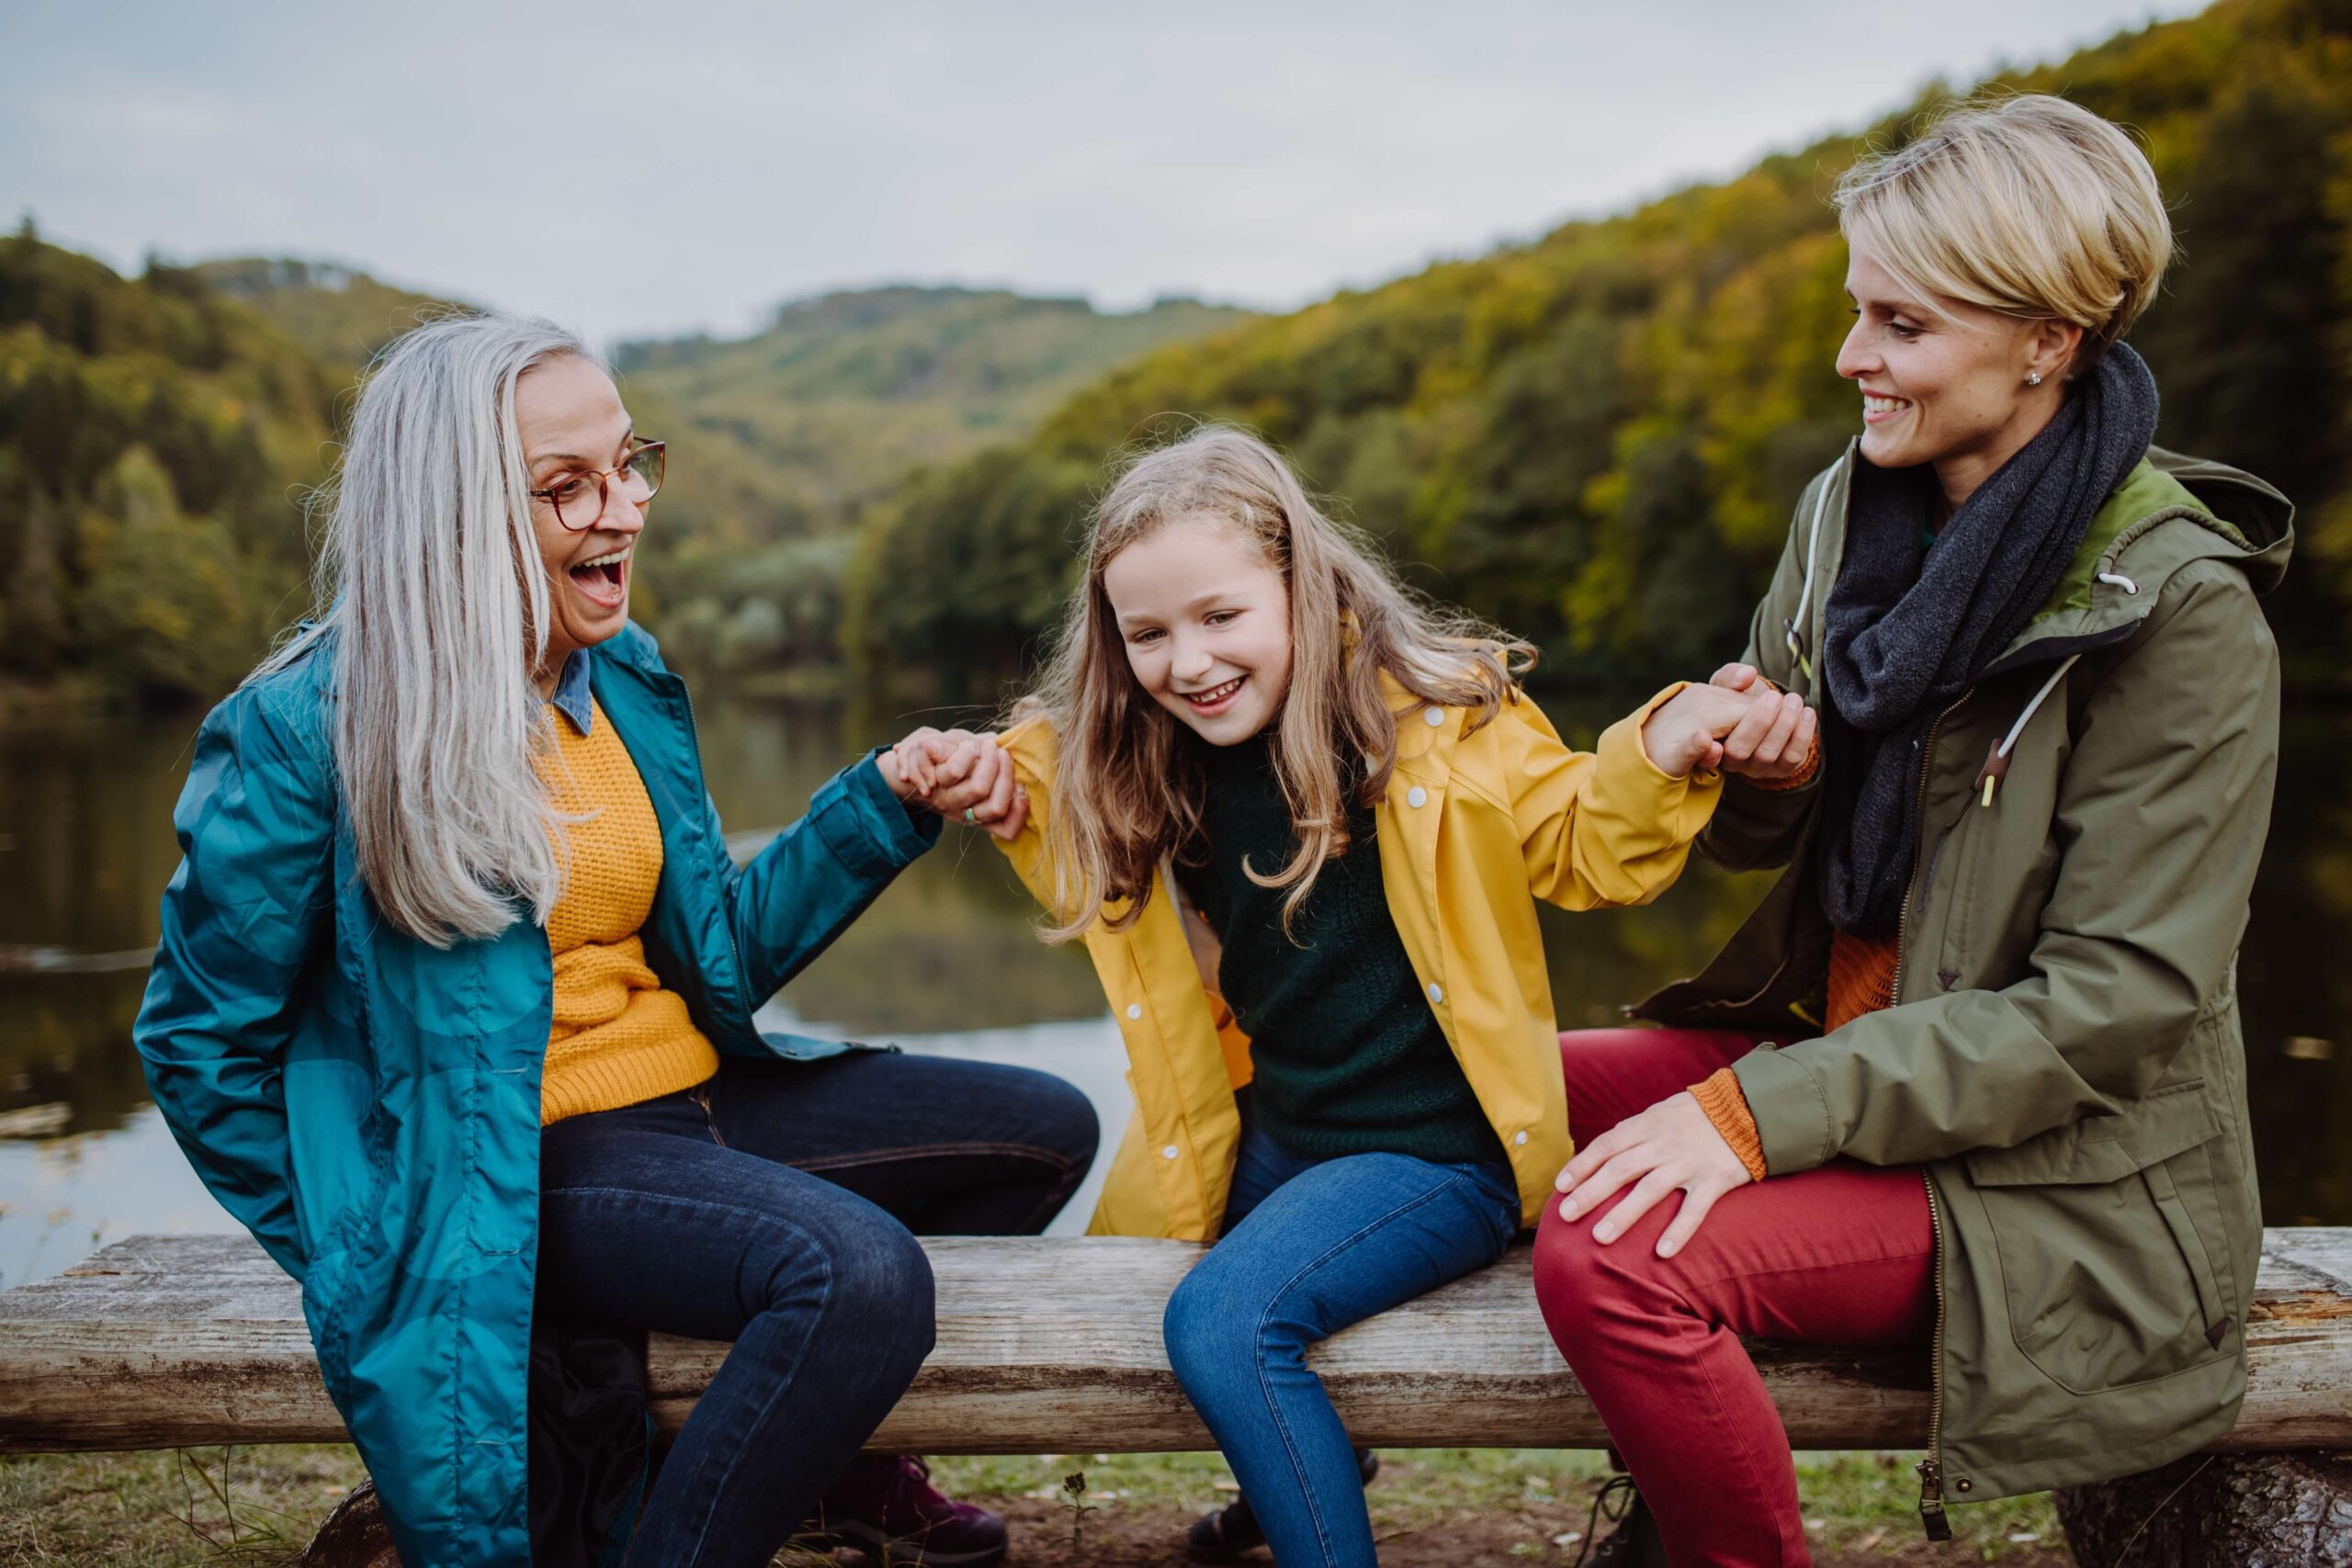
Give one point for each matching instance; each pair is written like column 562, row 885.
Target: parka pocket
column 2107, row 1278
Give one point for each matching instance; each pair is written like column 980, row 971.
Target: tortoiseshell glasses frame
column 644, row 464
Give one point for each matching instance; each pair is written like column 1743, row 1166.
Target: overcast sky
column 688, row 163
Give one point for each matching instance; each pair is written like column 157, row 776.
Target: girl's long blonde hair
column 1126, row 795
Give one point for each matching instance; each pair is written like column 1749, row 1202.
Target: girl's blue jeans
column 1311, row 1246
column 777, row 1205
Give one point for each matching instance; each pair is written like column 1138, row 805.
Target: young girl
column 1254, row 745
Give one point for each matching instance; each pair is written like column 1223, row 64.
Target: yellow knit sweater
column 619, row 1038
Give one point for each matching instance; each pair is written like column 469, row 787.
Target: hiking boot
column 354, row 1536
column 1634, row 1543
column 885, row 1505
column 1223, row 1534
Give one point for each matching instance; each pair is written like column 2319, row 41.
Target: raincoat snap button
column 1521, row 1139
column 1168, row 1153
column 1135, row 1010
column 1436, row 994
column 1432, row 717
column 1416, row 796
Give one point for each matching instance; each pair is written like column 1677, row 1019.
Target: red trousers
column 1841, row 1255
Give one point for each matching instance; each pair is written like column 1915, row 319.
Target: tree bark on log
column 1049, row 1345
column 2290, row 1510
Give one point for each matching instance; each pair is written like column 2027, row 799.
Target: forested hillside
column 781, row 440
column 343, row 315
column 777, row 441
column 1597, row 438
column 153, row 438
column 1594, row 438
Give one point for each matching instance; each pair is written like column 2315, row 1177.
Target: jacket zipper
column 734, row 948
column 1932, row 1469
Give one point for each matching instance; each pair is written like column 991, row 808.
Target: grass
column 245, row 1508
column 255, row 1507
column 1854, row 1502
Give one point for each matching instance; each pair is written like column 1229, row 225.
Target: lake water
column 945, row 961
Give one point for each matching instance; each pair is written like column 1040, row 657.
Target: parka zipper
column 1932, row 1469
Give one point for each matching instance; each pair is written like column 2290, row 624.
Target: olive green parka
column 2063, row 1059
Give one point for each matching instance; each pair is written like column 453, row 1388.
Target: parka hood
column 2256, row 522
column 2171, row 510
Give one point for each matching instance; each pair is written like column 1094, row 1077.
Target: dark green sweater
column 1349, row 1057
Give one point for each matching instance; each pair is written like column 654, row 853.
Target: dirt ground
column 1154, row 1535
column 257, row 1507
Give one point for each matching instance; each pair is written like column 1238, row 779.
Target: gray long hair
column 431, row 580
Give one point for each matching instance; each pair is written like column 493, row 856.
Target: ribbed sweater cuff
column 1799, row 779
column 1803, row 776
column 1726, row 1107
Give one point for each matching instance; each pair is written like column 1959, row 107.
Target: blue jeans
column 1310, row 1246
column 773, row 1206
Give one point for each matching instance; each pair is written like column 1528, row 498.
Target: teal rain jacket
column 369, row 1106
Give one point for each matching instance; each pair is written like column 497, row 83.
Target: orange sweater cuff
column 1802, row 777
column 1726, row 1107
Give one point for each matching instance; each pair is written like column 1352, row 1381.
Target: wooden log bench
column 1053, row 1345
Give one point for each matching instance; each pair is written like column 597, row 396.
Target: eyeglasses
column 579, row 499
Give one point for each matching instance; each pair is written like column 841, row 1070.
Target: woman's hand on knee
column 1671, row 1146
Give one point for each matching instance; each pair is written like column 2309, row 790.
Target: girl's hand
column 1672, row 1144
column 1687, row 733
column 960, row 776
column 1768, row 744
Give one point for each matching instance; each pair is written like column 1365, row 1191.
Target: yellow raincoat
column 1471, row 826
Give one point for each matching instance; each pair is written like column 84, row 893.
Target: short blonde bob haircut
column 2027, row 205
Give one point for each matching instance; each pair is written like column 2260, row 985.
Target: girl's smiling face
column 1204, row 617
column 1946, row 383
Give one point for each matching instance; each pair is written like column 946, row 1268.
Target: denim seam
column 718, row 1487
column 640, row 1195
column 923, row 1151
column 1273, row 1407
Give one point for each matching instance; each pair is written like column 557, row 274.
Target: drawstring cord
column 1789, row 634
column 1997, row 764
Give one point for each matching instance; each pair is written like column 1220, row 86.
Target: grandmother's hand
column 1770, row 743
column 1671, row 1146
column 962, row 776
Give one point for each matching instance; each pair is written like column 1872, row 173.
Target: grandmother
column 454, row 1010
column 1972, row 1080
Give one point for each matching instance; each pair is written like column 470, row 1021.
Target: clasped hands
column 960, row 776
column 1736, row 722
column 1739, row 723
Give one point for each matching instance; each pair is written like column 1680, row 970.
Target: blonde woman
column 1301, row 821
column 1972, row 1080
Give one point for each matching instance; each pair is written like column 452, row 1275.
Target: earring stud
column 2033, row 377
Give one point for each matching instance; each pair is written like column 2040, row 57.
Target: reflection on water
column 945, row 960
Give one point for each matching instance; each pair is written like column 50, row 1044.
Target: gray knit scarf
column 1911, row 623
